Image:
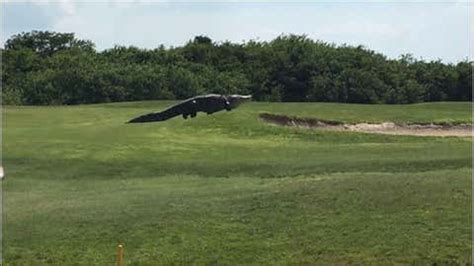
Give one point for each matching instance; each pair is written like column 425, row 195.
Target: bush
column 289, row 68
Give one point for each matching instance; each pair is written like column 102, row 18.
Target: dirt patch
column 461, row 130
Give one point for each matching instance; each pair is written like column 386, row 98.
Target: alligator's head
column 236, row 100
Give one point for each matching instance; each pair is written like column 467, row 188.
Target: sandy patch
column 461, row 130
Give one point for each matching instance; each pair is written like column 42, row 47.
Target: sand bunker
column 461, row 130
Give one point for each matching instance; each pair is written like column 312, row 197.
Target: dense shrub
column 42, row 68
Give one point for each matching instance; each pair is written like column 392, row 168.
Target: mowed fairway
column 230, row 189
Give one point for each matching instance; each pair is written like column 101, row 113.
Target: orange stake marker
column 119, row 255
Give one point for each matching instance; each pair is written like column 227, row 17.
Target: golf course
column 232, row 189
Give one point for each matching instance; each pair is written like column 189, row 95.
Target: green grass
column 230, row 189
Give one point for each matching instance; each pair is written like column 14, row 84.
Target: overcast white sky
column 430, row 30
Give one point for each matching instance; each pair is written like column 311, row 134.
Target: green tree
column 46, row 43
column 42, row 67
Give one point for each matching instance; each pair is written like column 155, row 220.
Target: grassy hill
column 230, row 189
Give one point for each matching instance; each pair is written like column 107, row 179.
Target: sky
column 428, row 30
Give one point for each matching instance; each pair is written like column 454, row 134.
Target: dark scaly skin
column 209, row 104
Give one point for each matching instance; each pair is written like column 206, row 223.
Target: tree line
column 50, row 68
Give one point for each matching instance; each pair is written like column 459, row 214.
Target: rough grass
column 229, row 189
